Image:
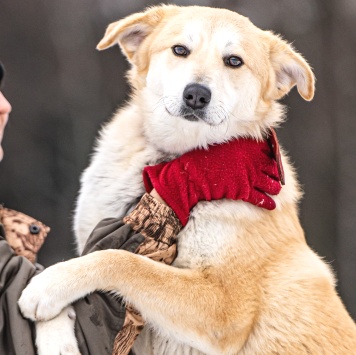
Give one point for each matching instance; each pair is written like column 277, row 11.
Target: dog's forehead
column 224, row 31
column 220, row 35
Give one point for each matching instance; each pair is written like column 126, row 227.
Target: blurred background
column 62, row 90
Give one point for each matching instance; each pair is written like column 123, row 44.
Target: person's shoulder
column 25, row 234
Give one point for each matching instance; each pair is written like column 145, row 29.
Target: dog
column 244, row 281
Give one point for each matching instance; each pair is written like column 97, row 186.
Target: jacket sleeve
column 101, row 315
column 16, row 332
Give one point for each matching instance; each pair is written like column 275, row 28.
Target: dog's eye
column 233, row 61
column 180, row 51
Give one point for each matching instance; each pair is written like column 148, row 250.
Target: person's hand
column 242, row 169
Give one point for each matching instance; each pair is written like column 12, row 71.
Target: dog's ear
column 130, row 32
column 290, row 69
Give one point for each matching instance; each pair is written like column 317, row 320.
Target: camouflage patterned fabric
column 160, row 226
column 24, row 233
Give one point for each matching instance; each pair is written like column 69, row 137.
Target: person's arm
column 15, row 273
column 156, row 196
column 21, row 236
column 102, row 320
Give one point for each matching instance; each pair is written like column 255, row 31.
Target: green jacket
column 99, row 316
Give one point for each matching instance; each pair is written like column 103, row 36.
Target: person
column 103, row 324
column 5, row 109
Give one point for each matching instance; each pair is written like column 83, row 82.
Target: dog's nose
column 196, row 96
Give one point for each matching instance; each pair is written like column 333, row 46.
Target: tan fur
column 245, row 281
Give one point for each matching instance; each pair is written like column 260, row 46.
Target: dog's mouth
column 192, row 115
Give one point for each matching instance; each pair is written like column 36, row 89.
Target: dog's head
column 205, row 75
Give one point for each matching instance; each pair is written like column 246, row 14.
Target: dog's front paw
column 47, row 294
column 56, row 336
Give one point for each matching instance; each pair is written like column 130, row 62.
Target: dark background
column 62, row 90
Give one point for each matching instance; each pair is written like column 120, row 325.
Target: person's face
column 5, row 109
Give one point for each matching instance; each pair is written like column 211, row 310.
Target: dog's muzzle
column 195, row 97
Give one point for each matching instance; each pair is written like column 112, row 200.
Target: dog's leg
column 187, row 304
column 56, row 336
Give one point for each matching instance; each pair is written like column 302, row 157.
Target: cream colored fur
column 244, row 281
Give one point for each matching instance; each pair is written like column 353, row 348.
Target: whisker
column 169, row 102
column 224, row 116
